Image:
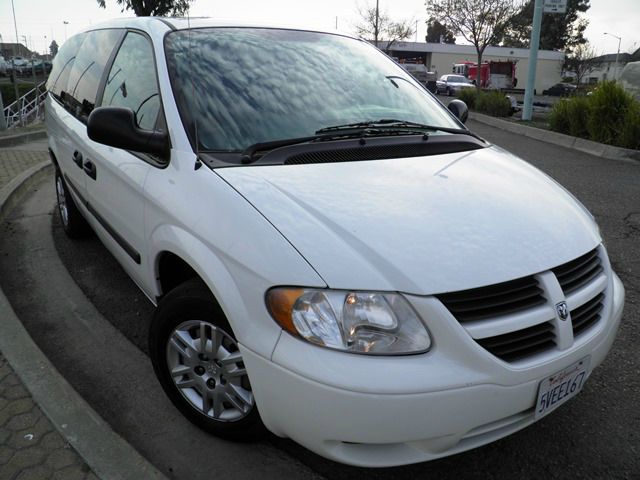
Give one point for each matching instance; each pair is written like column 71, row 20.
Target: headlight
column 358, row 322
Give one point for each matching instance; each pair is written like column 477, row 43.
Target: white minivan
column 333, row 255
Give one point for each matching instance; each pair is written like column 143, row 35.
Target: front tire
column 197, row 361
column 73, row 223
column 449, row 92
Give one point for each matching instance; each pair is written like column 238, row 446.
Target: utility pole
column 13, row 63
column 618, row 52
column 533, row 60
column 376, row 27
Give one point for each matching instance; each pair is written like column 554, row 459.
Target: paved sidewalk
column 30, row 446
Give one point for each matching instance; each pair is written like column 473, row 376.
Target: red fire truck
column 497, row 74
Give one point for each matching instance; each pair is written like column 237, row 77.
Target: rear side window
column 62, row 64
column 88, row 67
column 132, row 81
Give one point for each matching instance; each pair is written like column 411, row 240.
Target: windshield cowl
column 352, row 150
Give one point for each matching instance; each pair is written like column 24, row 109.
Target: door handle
column 77, row 158
column 90, row 169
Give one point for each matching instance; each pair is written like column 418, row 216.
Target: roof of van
column 183, row 23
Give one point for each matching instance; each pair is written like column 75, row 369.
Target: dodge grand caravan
column 333, row 255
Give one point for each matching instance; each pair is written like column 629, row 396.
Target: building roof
column 611, row 58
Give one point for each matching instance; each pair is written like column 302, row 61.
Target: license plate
column 560, row 387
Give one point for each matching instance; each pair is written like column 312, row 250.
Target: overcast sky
column 40, row 21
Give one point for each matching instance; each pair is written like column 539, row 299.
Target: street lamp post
column 65, row 29
column 618, row 52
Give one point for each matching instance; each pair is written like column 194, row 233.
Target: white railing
column 26, row 109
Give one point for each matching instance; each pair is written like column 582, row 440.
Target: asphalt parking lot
column 595, row 436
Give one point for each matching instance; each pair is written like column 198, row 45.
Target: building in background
column 441, row 57
column 606, row 69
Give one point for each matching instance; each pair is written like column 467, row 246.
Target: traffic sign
column 555, row 6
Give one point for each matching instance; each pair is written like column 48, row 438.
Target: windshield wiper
column 249, row 153
column 392, row 123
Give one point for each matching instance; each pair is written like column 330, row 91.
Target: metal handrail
column 26, row 109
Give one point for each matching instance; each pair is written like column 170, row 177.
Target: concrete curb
column 580, row 144
column 22, row 138
column 106, row 453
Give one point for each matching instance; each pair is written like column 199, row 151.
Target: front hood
column 420, row 225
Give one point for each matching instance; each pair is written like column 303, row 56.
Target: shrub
column 609, row 104
column 578, row 109
column 468, row 96
column 559, row 117
column 630, row 134
column 493, row 103
column 609, row 115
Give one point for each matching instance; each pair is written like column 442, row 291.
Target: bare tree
column 480, row 22
column 582, row 61
column 146, row 8
column 377, row 25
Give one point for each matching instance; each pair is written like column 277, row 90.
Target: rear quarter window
column 88, row 68
column 62, row 64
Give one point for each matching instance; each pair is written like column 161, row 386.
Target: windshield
column 457, row 79
column 243, row 86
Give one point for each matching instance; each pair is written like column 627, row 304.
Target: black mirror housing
column 116, row 127
column 459, row 109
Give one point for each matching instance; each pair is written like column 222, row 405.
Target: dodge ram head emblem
column 562, row 310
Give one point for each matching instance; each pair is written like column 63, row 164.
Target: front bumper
column 386, row 411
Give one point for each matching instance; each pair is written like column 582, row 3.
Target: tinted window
column 132, row 81
column 62, row 64
column 243, row 86
column 88, row 68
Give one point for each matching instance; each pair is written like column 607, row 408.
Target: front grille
column 515, row 320
column 494, row 300
column 579, row 272
column 521, row 343
column 587, row 315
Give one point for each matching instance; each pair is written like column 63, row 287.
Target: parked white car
column 332, row 253
column 452, row 84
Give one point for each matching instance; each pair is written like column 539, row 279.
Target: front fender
column 232, row 247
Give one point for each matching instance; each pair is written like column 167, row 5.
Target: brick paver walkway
column 14, row 162
column 30, row 446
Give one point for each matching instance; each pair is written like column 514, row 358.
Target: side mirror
column 459, row 109
column 116, row 127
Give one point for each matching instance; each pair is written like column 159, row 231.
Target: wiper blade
column 392, row 123
column 248, row 155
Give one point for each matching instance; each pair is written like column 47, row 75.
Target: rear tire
column 197, row 361
column 73, row 223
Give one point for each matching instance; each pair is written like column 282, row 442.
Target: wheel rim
column 62, row 202
column 207, row 369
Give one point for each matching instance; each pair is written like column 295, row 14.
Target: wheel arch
column 180, row 256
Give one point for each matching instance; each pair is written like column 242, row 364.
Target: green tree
column 53, row 48
column 147, row 8
column 437, row 32
column 559, row 31
column 480, row 22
